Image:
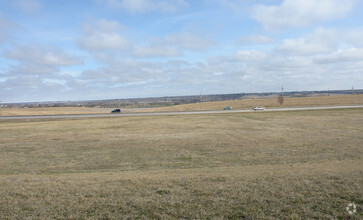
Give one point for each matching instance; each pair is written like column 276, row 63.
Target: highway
column 171, row 113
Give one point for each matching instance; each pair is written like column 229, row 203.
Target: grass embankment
column 304, row 164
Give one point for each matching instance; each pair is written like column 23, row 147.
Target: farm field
column 264, row 165
column 205, row 106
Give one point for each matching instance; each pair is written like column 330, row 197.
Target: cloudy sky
column 102, row 49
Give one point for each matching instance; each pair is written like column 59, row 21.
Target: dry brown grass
column 57, row 111
column 270, row 102
column 235, row 104
column 52, row 111
column 304, row 164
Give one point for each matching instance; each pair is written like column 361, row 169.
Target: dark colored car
column 116, row 110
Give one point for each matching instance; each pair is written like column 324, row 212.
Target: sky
column 60, row 50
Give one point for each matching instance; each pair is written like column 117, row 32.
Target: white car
column 258, row 108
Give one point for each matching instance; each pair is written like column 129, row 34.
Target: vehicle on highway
column 258, row 108
column 227, row 108
column 116, row 111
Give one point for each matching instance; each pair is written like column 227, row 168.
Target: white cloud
column 251, row 56
column 103, row 41
column 38, row 60
column 32, row 69
column 141, row 6
column 351, row 55
column 23, row 82
column 258, row 39
column 140, row 61
column 101, row 25
column 228, row 3
column 172, row 5
column 238, row 6
column 28, row 6
column 155, row 51
column 320, row 41
column 101, row 35
column 104, row 35
column 247, row 70
column 189, row 41
column 300, row 13
column 123, row 72
column 6, row 27
column 172, row 45
column 43, row 55
column 354, row 37
column 30, row 88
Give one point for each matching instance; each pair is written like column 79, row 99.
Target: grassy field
column 52, row 111
column 301, row 164
column 206, row 106
column 266, row 102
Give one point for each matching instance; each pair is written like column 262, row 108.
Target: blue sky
column 103, row 49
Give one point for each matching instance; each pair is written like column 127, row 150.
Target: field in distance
column 266, row 102
column 204, row 106
column 57, row 111
column 266, row 165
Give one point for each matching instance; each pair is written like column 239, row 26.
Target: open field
column 206, row 106
column 271, row 102
column 301, row 164
column 52, row 111
column 57, row 111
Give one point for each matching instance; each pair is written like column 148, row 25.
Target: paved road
column 171, row 113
